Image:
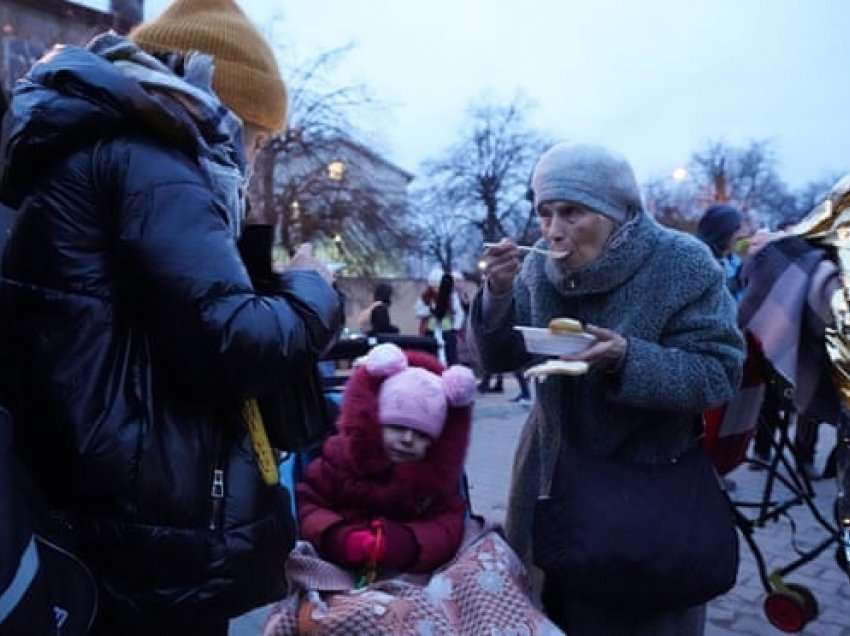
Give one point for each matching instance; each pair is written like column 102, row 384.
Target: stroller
column 788, row 606
column 797, row 303
column 483, row 584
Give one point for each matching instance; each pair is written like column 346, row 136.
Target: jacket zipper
column 217, row 489
column 217, row 497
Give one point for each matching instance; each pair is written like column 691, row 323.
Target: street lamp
column 336, row 170
column 680, row 174
column 339, row 247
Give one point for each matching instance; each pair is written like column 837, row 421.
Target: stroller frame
column 788, row 606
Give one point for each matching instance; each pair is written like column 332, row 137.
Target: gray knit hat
column 590, row 175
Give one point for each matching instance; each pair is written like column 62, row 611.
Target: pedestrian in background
column 375, row 318
column 666, row 349
column 440, row 313
column 134, row 334
column 723, row 228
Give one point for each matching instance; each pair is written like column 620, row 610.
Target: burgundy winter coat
column 353, row 482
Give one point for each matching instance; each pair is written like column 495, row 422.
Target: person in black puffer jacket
column 132, row 330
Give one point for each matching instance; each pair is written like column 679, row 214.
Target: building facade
column 29, row 28
column 338, row 193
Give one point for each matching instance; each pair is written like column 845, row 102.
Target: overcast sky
column 653, row 79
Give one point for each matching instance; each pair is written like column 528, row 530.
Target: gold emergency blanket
column 828, row 226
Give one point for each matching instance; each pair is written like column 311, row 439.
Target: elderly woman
column 666, row 349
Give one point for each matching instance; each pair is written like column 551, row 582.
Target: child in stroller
column 389, row 547
column 383, row 493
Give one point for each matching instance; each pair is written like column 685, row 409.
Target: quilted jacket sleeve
column 184, row 262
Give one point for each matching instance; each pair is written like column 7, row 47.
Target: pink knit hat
column 414, row 397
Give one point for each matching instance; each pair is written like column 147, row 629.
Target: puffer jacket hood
column 75, row 95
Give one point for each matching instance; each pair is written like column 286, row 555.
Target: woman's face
column 575, row 229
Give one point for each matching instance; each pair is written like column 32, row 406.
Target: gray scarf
column 189, row 96
column 609, row 260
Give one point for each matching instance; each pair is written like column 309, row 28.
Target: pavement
column 497, row 426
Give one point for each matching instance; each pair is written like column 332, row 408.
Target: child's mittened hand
column 357, row 546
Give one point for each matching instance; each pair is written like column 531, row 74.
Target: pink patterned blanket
column 483, row 590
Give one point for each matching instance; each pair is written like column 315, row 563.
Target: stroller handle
column 351, row 348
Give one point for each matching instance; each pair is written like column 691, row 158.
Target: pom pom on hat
column 459, row 385
column 413, row 396
column 385, row 360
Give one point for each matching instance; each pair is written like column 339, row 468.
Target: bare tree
column 672, row 204
column 442, row 233
column 318, row 182
column 483, row 179
column 744, row 176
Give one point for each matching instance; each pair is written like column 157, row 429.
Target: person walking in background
column 484, row 385
column 667, row 348
column 375, row 318
column 440, row 313
column 464, row 352
column 723, row 227
column 134, row 336
column 523, row 397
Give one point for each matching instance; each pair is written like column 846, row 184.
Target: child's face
column 402, row 444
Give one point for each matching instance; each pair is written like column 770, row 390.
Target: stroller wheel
column 785, row 611
column 810, row 603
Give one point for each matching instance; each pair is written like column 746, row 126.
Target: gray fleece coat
column 665, row 293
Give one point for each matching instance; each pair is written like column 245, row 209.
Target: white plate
column 540, row 340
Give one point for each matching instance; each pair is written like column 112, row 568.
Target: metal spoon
column 537, row 250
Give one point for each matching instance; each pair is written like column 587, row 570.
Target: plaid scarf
column 786, row 308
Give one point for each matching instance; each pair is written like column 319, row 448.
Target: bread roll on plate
column 565, row 325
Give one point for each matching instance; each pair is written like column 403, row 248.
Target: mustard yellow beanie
column 246, row 75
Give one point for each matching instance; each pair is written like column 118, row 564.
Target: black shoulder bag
column 650, row 537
